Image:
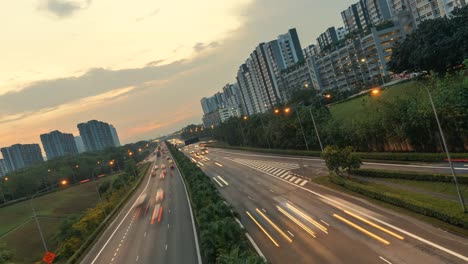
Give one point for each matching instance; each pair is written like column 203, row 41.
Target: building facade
column 79, row 144
column 20, row 156
column 96, row 135
column 57, row 144
column 226, row 113
column 248, row 86
column 294, row 79
column 115, row 136
column 3, row 168
column 327, row 38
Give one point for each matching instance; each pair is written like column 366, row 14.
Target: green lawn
column 355, row 108
column 438, row 187
column 18, row 230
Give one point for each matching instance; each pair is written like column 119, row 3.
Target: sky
column 141, row 65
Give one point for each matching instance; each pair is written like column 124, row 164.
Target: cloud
column 150, row 14
column 63, row 8
column 199, row 46
column 50, row 93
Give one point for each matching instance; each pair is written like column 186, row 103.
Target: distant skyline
column 140, row 66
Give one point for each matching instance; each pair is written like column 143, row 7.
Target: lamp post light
column 63, row 183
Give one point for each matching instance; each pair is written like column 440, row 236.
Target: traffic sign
column 48, row 257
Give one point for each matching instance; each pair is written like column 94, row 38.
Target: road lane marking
column 385, row 260
column 274, row 225
column 307, row 217
column 368, row 233
column 284, row 174
column 293, row 178
column 272, row 191
column 123, row 219
column 374, row 225
column 138, row 257
column 250, row 198
column 263, row 229
column 324, row 222
column 218, row 164
column 112, row 259
column 239, row 222
column 297, row 181
column 221, row 178
column 166, row 247
column 290, row 233
column 144, row 234
column 292, row 218
column 303, row 183
column 201, row 164
column 220, row 185
column 259, row 252
column 340, row 205
column 289, row 176
column 264, row 210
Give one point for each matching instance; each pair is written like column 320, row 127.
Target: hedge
column 222, row 240
column 390, row 156
column 405, row 175
column 447, row 211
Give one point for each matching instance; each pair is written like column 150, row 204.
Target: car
column 159, row 195
column 141, row 200
column 168, row 158
column 172, row 166
column 163, row 166
column 171, row 161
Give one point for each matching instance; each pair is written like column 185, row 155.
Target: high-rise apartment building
column 327, row 38
column 248, row 85
column 57, row 144
column 293, row 79
column 19, row 156
column 429, row 9
column 79, row 144
column 3, row 168
column 115, row 137
column 97, row 135
column 341, row 33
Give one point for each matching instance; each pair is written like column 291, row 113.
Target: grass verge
column 407, row 175
column 384, row 156
column 446, row 215
column 222, row 240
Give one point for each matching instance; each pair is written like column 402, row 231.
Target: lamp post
column 460, row 196
column 63, row 182
column 316, row 130
column 377, row 91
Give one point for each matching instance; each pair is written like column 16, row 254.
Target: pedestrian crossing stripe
column 278, row 169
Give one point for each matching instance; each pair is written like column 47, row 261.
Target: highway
column 292, row 220
column 159, row 230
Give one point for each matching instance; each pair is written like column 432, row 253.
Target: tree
column 436, row 45
column 337, row 159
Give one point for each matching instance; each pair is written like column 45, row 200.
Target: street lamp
column 375, row 91
column 276, row 111
column 328, row 96
column 63, row 183
column 460, row 196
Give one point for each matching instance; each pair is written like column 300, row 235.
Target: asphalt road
column 296, row 221
column 157, row 231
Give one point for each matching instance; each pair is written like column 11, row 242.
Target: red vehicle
column 172, row 166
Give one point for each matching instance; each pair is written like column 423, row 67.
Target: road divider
column 368, row 233
column 263, row 229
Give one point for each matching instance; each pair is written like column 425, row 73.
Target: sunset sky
column 141, row 65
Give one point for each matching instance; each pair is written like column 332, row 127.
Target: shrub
column 405, row 175
column 337, row 159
